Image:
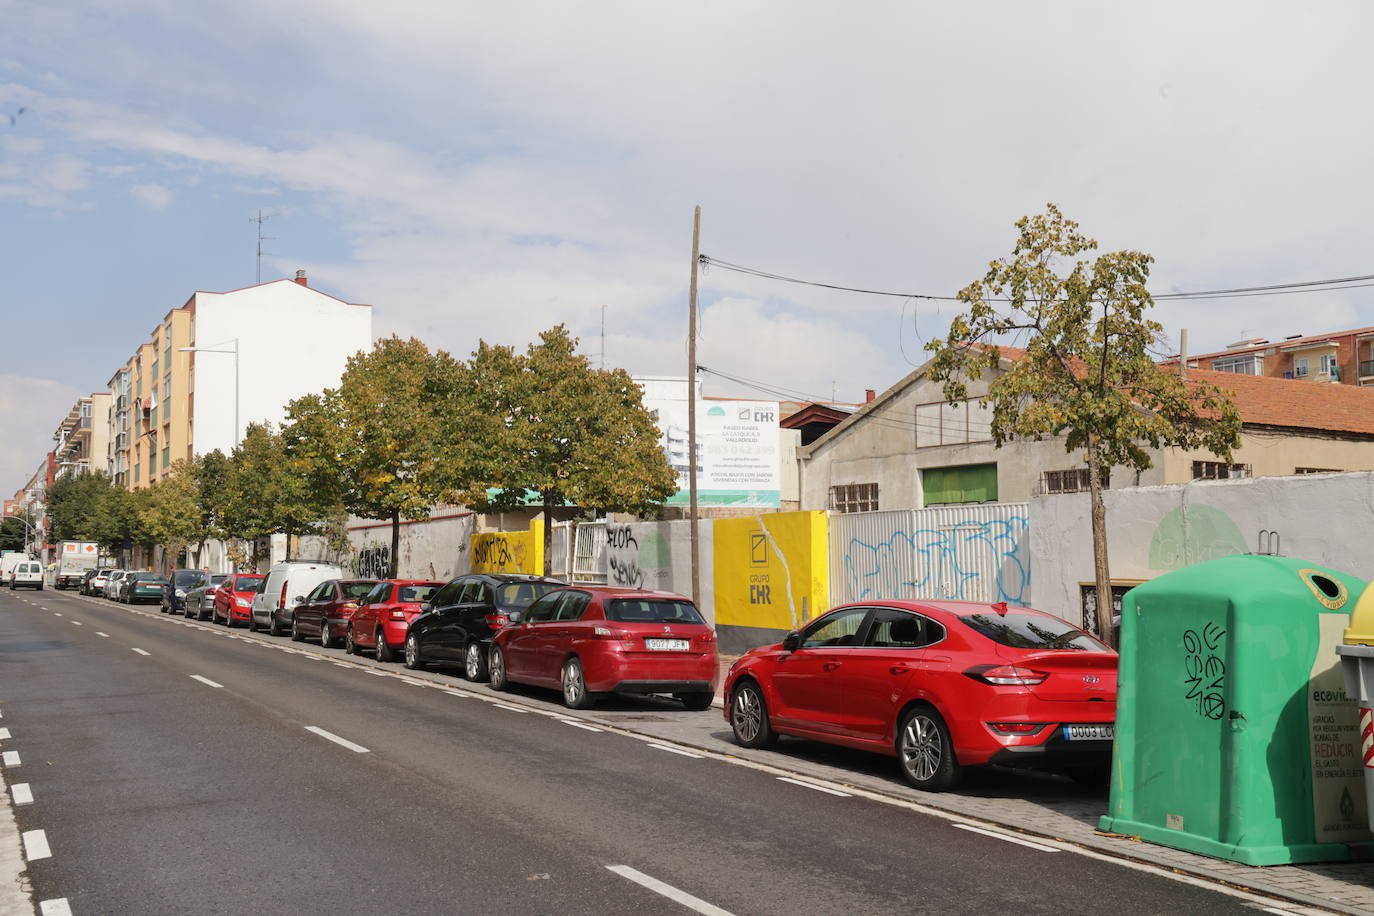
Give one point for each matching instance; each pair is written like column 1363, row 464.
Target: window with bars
column 1073, row 480
column 1219, row 470
column 1316, row 470
column 854, row 497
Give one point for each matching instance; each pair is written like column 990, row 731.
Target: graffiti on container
column 622, row 557
column 491, row 552
column 1204, row 672
column 373, row 562
column 954, row 561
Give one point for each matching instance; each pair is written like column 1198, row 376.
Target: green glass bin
column 1235, row 736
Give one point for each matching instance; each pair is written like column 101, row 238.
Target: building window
column 1074, row 480
column 137, row 468
column 1316, row 470
column 854, row 497
column 167, row 388
column 1249, row 364
column 970, row 483
column 943, row 423
column 1330, row 366
column 1219, row 470
column 166, row 458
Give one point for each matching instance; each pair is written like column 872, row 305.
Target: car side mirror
column 791, row 641
column 426, row 607
column 297, row 600
column 515, row 616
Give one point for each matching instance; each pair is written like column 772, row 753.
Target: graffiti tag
column 373, row 562
column 1204, row 672
column 943, row 562
column 491, row 552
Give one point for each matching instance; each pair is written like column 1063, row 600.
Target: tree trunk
column 1099, row 526
column 548, row 534
column 395, row 544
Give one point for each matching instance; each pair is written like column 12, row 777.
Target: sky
column 486, row 170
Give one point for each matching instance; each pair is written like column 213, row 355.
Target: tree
column 74, row 505
column 170, row 510
column 548, row 422
column 1087, row 374
column 262, row 489
column 375, row 444
column 14, row 531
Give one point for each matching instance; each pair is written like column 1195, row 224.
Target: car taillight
column 708, row 636
column 281, row 602
column 1006, row 675
column 612, row 633
column 1016, row 728
column 398, row 614
column 496, row 621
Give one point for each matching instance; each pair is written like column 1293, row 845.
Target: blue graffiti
column 943, row 562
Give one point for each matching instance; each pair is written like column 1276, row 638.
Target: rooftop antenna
column 260, row 219
column 603, row 335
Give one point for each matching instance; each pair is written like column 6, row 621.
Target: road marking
column 98, row 633
column 342, row 742
column 4, row 734
column 77, row 623
column 21, row 793
column 205, row 680
column 589, row 728
column 10, row 758
column 1003, row 836
column 511, row 708
column 141, row 652
column 812, row 785
column 377, row 673
column 453, row 693
column 695, row 904
column 58, row 906
column 36, row 845
column 341, row 664
column 55, row 613
column 675, row 750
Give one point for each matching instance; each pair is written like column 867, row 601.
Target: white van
column 28, row 574
column 286, row 586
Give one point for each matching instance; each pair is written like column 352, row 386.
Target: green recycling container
column 1235, row 736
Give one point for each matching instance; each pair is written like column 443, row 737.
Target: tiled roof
column 1294, row 403
column 1261, row 344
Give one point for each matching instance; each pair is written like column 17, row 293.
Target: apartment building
column 222, row 361
column 81, row 437
column 1346, row 357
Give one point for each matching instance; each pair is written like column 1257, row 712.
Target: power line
column 1307, row 286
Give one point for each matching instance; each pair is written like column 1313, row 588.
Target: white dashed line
column 341, row 664
column 511, row 708
column 696, row 904
column 98, row 633
column 453, row 693
column 55, row 907
column 205, row 680
column 342, row 742
column 675, row 750
column 408, row 680
column 77, row 623
column 812, row 785
column 36, row 845
column 586, row 728
column 1010, row 839
column 377, row 673
column 10, row 759
column 55, row 613
column 141, row 652
column 4, row 734
column 21, row 793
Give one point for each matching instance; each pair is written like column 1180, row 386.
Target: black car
column 182, row 581
column 458, row 623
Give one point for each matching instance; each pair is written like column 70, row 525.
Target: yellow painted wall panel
column 771, row 570
column 510, row 551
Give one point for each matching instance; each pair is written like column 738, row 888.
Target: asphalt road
column 176, row 770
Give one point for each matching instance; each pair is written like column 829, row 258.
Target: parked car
column 325, row 612
column 112, row 583
column 121, row 587
column 233, row 602
column 592, row 641
column 95, row 585
column 457, row 627
column 143, row 586
column 940, row 685
column 286, row 586
column 199, row 603
column 384, row 616
column 27, row 574
column 182, row 581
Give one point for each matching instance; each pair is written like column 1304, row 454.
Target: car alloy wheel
column 924, row 751
column 749, row 717
column 575, row 694
column 326, row 638
column 476, row 659
column 384, row 653
column 296, row 635
column 496, row 666
column 350, row 644
column 412, row 651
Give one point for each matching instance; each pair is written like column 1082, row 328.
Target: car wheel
column 696, row 700
column 496, row 669
column 925, row 752
column 749, row 717
column 384, row 652
column 475, row 663
column 273, row 628
column 412, row 653
column 575, row 695
column 296, row 630
column 326, row 638
column 252, row 622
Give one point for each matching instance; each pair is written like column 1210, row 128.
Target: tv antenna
column 603, row 335
column 260, row 219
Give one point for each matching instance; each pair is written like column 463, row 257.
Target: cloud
column 153, row 196
column 30, row 409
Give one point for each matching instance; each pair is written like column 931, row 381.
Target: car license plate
column 1089, row 732
column 669, row 645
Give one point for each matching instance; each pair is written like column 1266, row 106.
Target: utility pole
column 692, row 409
column 260, row 219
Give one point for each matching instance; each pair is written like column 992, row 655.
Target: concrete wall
column 1325, row 518
column 658, row 555
column 436, row 549
column 1275, row 454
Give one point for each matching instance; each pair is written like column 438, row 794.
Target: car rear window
column 416, row 593
column 185, row 577
column 652, row 610
column 217, row 579
column 153, row 580
column 249, row 584
column 522, row 594
column 356, row 590
column 1020, row 630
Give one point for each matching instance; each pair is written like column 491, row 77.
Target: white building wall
column 292, row 341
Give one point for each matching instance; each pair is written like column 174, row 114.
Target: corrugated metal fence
column 969, row 552
column 588, row 555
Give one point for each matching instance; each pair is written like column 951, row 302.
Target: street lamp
column 235, row 351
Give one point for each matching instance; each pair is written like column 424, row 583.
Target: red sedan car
column 327, row 610
column 382, row 618
column 941, row 685
column 234, row 599
column 591, row 641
